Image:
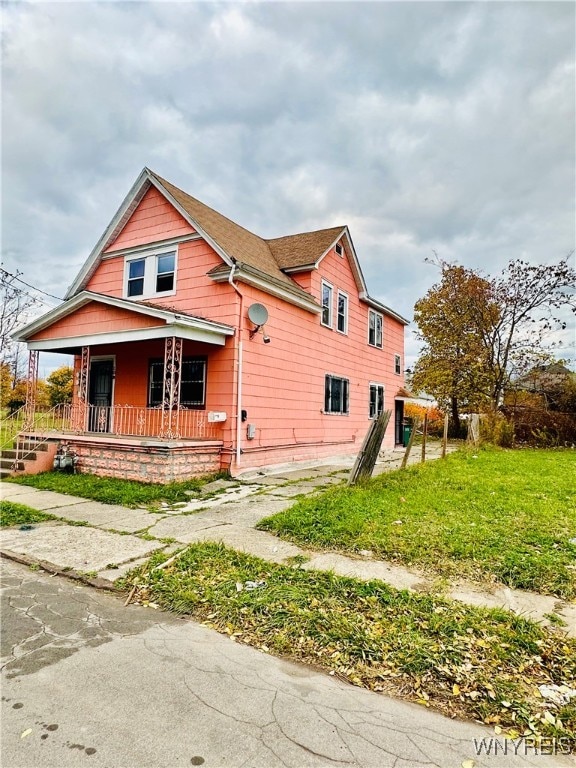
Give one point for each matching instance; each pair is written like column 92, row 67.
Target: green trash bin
column 406, row 432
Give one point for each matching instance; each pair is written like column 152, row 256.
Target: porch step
column 9, row 454
column 8, row 465
column 32, row 445
column 13, row 460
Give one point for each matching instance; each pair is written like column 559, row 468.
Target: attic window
column 165, row 272
column 152, row 274
column 339, row 249
column 136, row 271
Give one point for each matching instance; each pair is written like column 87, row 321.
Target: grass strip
column 19, row 514
column 496, row 515
column 110, row 490
column 465, row 661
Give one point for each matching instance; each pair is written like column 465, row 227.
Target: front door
column 398, row 419
column 101, row 377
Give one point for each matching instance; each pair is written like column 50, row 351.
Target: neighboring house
column 544, row 386
column 543, row 378
column 200, row 346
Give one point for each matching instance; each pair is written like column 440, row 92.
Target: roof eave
column 145, row 180
column 126, row 209
column 382, row 308
column 252, row 276
column 85, row 297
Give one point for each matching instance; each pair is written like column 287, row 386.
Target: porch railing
column 128, row 421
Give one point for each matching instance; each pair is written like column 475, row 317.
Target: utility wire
column 15, row 277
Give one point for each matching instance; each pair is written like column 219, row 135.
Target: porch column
column 79, row 413
column 171, row 399
column 31, row 384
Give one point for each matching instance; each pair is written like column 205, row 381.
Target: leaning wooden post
column 445, row 436
column 424, row 435
column 415, row 426
column 366, row 459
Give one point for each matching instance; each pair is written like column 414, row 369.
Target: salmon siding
column 334, row 357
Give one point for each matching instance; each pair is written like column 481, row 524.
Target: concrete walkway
column 87, row 682
column 114, row 539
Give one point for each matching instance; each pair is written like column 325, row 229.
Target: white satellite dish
column 258, row 314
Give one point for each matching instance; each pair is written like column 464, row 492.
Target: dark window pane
column 193, row 382
column 155, row 383
column 342, row 312
column 336, row 395
column 326, row 305
column 136, row 287
column 136, row 268
column 164, row 283
column 372, row 409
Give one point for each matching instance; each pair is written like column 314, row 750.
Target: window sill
column 146, row 296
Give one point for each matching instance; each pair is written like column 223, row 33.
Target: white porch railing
column 128, row 421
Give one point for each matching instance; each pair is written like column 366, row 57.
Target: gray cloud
column 423, row 126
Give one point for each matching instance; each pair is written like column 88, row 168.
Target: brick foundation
column 150, row 461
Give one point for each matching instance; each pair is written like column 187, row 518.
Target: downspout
column 239, row 367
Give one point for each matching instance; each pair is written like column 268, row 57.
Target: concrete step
column 31, row 445
column 12, row 453
column 8, row 465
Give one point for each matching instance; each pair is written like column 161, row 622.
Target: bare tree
column 15, row 306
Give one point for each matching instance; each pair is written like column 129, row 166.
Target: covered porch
column 151, row 387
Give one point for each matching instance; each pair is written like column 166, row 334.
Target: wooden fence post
column 415, row 426
column 445, row 436
column 366, row 459
column 424, row 435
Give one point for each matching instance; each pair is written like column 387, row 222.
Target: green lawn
column 506, row 516
column 109, row 490
column 465, row 661
column 19, row 514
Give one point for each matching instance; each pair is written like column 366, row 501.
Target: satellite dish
column 258, row 314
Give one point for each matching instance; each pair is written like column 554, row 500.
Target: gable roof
column 271, row 259
column 303, row 249
column 188, row 325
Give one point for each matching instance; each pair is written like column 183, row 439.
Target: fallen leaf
column 25, row 733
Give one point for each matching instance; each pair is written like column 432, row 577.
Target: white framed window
column 376, row 400
column 397, row 364
column 150, row 274
column 375, row 324
column 327, row 291
column 336, row 394
column 342, row 312
column 339, row 250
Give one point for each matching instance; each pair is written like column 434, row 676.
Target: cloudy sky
column 446, row 127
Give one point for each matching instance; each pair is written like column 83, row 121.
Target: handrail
column 125, row 420
column 39, row 422
column 11, row 419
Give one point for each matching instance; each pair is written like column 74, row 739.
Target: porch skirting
column 149, row 460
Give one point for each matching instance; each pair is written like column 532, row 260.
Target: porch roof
column 170, row 322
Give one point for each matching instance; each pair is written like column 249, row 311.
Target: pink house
column 200, row 346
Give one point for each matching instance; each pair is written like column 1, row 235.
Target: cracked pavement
column 90, row 682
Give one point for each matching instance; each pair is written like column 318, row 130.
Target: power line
column 15, row 277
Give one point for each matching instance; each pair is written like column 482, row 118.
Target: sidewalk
column 102, row 542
